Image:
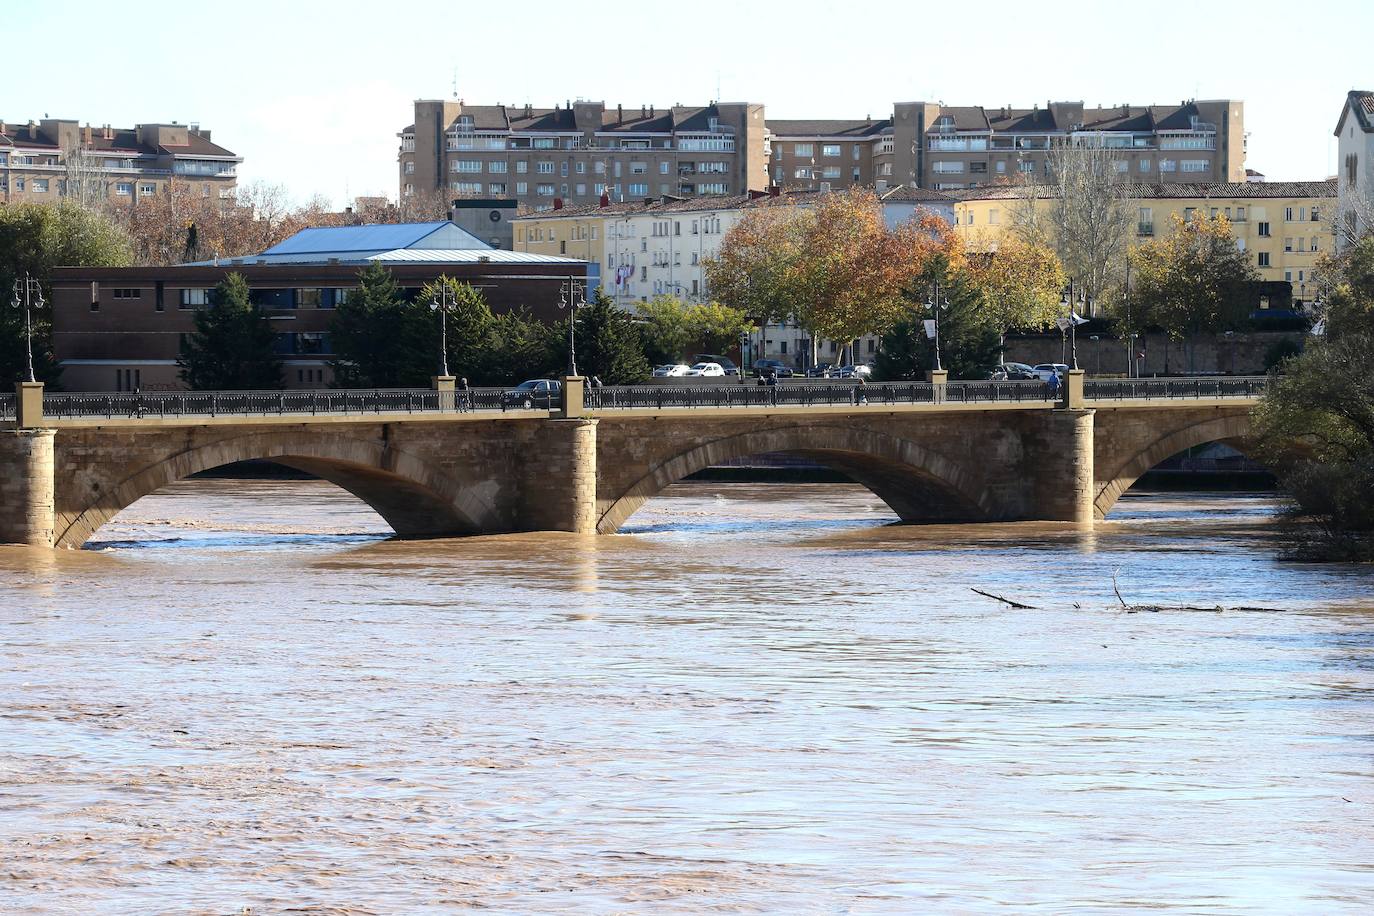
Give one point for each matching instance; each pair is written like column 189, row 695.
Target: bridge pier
column 26, row 487
column 558, row 489
column 1063, row 458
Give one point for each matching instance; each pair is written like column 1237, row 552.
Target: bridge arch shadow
column 1232, row 430
column 917, row 483
column 415, row 498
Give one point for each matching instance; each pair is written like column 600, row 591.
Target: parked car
column 765, row 367
column 723, row 361
column 672, row 370
column 539, row 392
column 706, row 370
column 1043, row 371
column 859, row 371
column 1016, row 372
column 823, row 370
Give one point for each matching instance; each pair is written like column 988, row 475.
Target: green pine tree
column 367, row 332
column 609, row 344
column 232, row 346
column 968, row 346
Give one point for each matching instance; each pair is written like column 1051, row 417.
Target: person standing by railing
column 1052, row 383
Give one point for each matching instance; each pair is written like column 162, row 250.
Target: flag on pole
column 930, row 328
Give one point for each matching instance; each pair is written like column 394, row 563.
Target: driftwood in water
column 1016, row 604
column 1156, row 608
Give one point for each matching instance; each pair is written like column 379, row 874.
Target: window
column 1144, row 165
column 1312, row 244
column 1167, row 165
column 473, row 188
column 40, row 186
column 1026, row 166
column 581, row 168
column 544, row 190
column 968, row 219
column 663, row 167
column 1288, row 244
column 19, row 184
column 947, row 168
column 1263, row 258
column 123, row 188
column 711, row 188
column 1145, row 221
column 496, row 167
column 639, row 168
column 830, row 149
column 194, row 298
column 522, row 187
column 1288, row 275
column 1263, row 229
column 802, row 149
column 978, row 168
column 1001, row 167
column 599, row 168
column 465, row 165
column 309, row 298
column 128, row 294
column 497, row 189
column 1188, row 213
column 521, row 167
column 992, row 217
column 1315, row 217
column 544, row 168
column 639, row 189
column 581, row 189
column 830, row 171
column 1300, row 246
column 1288, row 214
column 1240, row 214
column 410, row 167
column 1121, row 165
column 341, row 294
column 1196, row 165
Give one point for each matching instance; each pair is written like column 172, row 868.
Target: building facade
column 578, row 152
column 47, row 160
column 1284, row 225
column 121, row 328
column 946, row 148
column 1355, row 165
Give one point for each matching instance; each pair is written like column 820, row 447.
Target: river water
column 760, row 698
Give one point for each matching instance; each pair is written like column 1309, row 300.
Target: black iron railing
column 658, row 397
column 1151, row 389
column 68, row 405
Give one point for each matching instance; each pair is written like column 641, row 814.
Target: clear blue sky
column 313, row 93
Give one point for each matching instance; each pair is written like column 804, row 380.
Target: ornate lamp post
column 572, row 296
column 933, row 303
column 441, row 304
column 1069, row 323
column 28, row 295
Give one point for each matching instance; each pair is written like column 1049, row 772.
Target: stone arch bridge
column 932, row 458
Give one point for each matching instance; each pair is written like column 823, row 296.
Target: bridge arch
column 1232, row 429
column 918, row 483
column 414, row 497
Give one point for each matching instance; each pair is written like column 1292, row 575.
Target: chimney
column 558, row 203
column 619, row 114
column 643, row 112
column 755, row 195
column 109, row 132
column 86, row 135
column 774, row 190
column 605, row 200
column 651, row 111
column 33, row 131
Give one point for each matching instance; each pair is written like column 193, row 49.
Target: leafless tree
column 86, row 182
column 1084, row 211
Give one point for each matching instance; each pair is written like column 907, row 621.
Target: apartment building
column 1355, row 164
column 578, row 152
column 47, row 160
column 1284, row 225
column 945, row 148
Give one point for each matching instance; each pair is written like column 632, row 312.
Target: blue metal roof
column 345, row 239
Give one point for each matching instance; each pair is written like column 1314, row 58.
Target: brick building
column 46, row 160
column 120, row 328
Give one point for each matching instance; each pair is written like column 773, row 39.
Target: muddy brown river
column 759, row 698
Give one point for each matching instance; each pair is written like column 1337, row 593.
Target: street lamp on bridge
column 572, row 295
column 441, row 303
column 28, row 295
column 933, row 303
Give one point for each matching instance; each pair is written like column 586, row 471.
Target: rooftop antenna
column 455, row 82
column 717, row 84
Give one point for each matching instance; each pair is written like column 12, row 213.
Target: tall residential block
column 53, row 158
column 1355, row 165
column 576, row 152
column 943, row 148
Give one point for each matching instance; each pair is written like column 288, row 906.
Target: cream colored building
column 1284, row 225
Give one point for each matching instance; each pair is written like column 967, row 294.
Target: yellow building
column 1285, row 225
